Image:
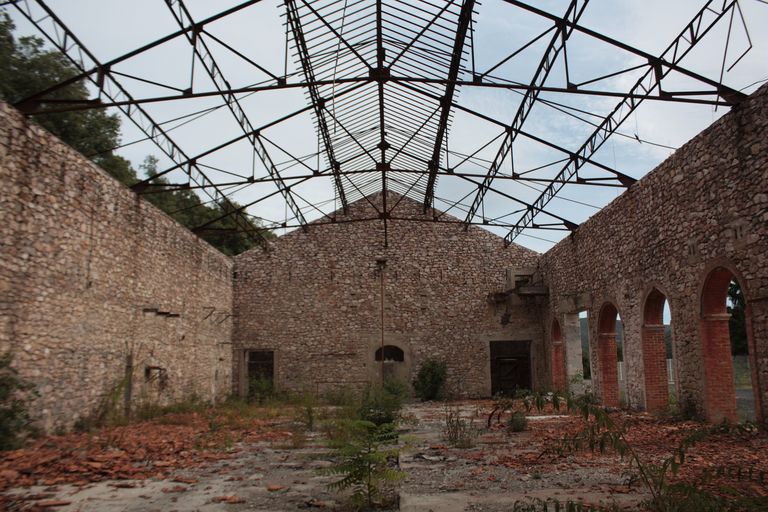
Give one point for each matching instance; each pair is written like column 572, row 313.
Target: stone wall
column 93, row 280
column 704, row 208
column 314, row 299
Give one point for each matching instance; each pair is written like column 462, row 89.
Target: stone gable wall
column 314, row 298
column 92, row 279
column 706, row 206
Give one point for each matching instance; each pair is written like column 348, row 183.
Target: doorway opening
column 510, row 367
column 261, row 374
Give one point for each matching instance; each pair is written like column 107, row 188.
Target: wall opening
column 657, row 352
column 390, row 353
column 558, row 357
column 608, row 355
column 586, row 363
column 261, row 373
column 510, row 366
column 392, row 361
column 725, row 345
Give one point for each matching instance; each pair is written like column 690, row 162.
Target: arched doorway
column 607, row 354
column 655, row 353
column 721, row 298
column 558, row 358
column 392, row 361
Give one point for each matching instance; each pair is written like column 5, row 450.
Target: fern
column 364, row 451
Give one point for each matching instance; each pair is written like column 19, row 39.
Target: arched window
column 390, row 353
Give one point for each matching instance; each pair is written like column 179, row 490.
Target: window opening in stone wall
column 725, row 346
column 261, row 374
column 658, row 363
column 586, row 365
column 390, row 353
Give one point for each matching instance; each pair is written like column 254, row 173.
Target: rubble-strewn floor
column 222, row 461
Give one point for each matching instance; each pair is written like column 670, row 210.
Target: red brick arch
column 719, row 390
column 606, row 354
column 655, row 352
column 558, row 357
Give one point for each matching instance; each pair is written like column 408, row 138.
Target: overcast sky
column 111, row 28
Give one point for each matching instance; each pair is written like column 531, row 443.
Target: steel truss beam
column 658, row 68
column 67, row 43
column 90, row 104
column 465, row 20
column 556, row 45
column 200, row 47
column 318, row 102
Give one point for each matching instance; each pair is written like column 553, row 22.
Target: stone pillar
column 655, row 368
column 609, row 371
column 571, row 332
column 558, row 367
column 719, row 391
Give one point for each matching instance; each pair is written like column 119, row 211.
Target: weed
column 457, row 431
column 379, row 406
column 518, row 422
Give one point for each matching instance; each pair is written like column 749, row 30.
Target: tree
column 187, row 209
column 27, row 68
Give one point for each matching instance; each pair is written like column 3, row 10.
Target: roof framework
column 382, row 80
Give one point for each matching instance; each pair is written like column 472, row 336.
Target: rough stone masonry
column 102, row 295
column 103, row 298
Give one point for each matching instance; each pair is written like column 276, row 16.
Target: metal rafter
column 704, row 20
column 67, row 43
column 556, row 45
column 318, row 102
column 205, row 57
column 465, row 19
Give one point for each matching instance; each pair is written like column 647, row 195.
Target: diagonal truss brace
column 658, row 68
column 465, row 19
column 318, row 102
column 69, row 45
column 204, row 55
column 556, row 45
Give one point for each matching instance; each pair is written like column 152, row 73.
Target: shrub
column 518, row 422
column 379, row 406
column 363, row 460
column 430, row 380
column 397, row 387
column 15, row 422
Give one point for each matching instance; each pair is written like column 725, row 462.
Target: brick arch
column 606, row 354
column 655, row 352
column 558, row 357
column 719, row 389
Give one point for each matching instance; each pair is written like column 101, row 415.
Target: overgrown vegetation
column 602, row 434
column 15, row 422
column 382, row 404
column 430, row 380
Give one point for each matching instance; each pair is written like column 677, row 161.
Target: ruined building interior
column 402, row 234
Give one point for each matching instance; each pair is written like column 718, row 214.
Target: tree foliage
column 738, row 322
column 26, row 68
